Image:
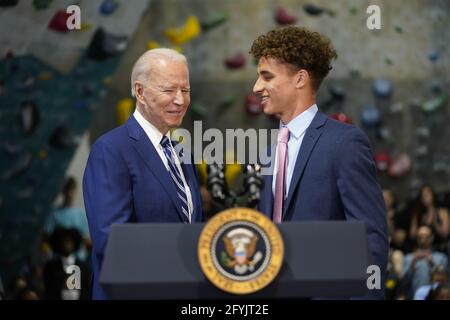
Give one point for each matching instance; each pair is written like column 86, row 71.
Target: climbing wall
column 392, row 82
column 51, row 83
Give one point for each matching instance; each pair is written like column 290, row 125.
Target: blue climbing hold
column 370, row 117
column 108, row 7
column 382, row 88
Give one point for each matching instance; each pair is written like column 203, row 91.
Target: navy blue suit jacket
column 125, row 181
column 334, row 178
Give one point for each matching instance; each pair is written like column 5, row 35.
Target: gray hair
column 142, row 67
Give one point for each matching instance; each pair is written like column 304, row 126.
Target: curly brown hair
column 300, row 47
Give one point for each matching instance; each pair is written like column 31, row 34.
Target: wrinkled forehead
column 170, row 80
column 161, row 64
column 169, row 72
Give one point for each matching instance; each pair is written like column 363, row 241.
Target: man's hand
column 421, row 254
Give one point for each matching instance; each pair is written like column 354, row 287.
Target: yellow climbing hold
column 187, row 32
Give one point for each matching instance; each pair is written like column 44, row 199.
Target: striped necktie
column 176, row 176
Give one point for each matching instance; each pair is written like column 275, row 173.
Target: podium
column 160, row 261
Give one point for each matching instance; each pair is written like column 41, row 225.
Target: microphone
column 216, row 183
column 253, row 183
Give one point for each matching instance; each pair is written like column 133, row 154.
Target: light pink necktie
column 280, row 183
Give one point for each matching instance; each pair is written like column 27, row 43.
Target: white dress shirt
column 297, row 128
column 155, row 137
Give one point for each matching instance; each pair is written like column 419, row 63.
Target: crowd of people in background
column 418, row 266
column 419, row 247
column 65, row 241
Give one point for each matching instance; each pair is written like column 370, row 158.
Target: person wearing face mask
column 133, row 173
column 323, row 168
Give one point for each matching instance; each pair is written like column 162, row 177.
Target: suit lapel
column 312, row 134
column 267, row 196
column 153, row 162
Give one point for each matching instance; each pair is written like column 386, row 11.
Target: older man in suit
column 323, row 168
column 133, row 173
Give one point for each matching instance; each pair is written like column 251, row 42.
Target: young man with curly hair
column 324, row 169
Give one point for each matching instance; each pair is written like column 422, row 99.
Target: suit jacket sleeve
column 107, row 194
column 361, row 195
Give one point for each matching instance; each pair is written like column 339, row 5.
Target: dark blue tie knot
column 165, row 142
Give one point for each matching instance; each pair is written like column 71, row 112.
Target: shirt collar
column 300, row 123
column 154, row 134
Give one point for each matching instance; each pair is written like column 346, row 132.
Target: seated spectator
column 441, row 292
column 19, row 288
column 69, row 216
column 65, row 243
column 418, row 264
column 428, row 213
column 26, row 293
column 393, row 282
column 439, row 277
column 398, row 223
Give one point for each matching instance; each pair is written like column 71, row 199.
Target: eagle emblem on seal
column 240, row 252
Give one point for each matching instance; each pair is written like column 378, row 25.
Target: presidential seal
column 240, row 250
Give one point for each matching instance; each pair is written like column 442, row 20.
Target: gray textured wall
column 399, row 52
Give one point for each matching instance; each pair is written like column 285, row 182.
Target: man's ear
column 138, row 91
column 302, row 78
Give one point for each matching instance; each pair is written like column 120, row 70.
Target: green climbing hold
column 435, row 103
column 214, row 21
column 398, row 29
column 198, row 110
column 227, row 102
column 41, row 4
